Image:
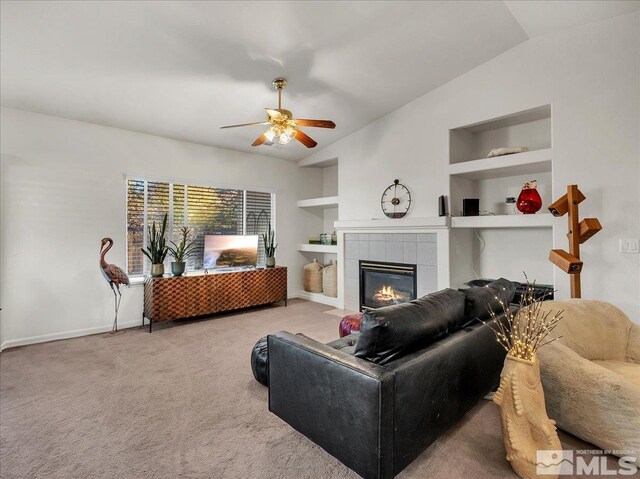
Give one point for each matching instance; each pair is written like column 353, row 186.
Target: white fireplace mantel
column 403, row 224
column 438, row 225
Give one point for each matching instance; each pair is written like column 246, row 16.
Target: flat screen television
column 230, row 251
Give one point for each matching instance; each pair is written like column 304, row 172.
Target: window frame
column 139, row 278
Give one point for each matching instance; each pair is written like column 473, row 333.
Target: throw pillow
column 390, row 332
column 479, row 300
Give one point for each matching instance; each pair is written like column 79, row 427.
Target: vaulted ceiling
column 183, row 69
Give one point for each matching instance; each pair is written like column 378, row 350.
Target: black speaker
column 470, row 207
column 442, row 206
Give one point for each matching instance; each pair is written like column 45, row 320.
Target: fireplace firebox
column 385, row 284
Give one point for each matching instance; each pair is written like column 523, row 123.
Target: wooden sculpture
column 530, row 437
column 114, row 276
column 579, row 232
column 526, row 428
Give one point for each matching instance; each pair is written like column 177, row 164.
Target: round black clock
column 396, row 200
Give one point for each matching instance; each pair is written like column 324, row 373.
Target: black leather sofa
column 377, row 400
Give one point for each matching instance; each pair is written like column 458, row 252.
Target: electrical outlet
column 629, row 246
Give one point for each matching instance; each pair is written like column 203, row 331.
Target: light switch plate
column 629, row 246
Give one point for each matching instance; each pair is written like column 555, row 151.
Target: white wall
column 63, row 190
column 591, row 77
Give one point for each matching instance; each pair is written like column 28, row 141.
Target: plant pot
column 526, row 428
column 271, row 261
column 178, row 267
column 157, row 270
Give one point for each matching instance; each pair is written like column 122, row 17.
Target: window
column 206, row 210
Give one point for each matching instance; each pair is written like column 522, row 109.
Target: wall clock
column 395, row 200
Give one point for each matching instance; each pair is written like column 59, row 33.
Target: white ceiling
column 543, row 17
column 183, row 69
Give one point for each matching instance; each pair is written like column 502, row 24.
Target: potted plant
column 181, row 252
column 157, row 248
column 268, row 239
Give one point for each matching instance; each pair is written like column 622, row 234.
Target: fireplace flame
column 386, row 294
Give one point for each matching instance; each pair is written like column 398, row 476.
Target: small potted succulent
column 181, row 252
column 268, row 239
column 157, row 248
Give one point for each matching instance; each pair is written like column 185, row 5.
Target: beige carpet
column 182, row 403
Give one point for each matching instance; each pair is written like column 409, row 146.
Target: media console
column 177, row 297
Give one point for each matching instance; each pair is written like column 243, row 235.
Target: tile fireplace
column 385, row 284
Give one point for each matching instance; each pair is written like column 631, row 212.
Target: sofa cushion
column 477, row 300
column 388, row 333
column 346, row 344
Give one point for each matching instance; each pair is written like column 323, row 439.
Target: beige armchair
column 591, row 376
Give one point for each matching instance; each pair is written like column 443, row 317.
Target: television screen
column 228, row 251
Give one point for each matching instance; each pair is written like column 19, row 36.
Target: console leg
column 150, row 323
column 285, row 302
column 143, row 319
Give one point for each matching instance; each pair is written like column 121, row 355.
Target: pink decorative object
column 350, row 324
column 529, row 200
column 114, row 276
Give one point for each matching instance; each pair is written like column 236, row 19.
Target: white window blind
column 205, row 210
column 258, row 217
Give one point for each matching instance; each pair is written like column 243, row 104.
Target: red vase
column 529, row 200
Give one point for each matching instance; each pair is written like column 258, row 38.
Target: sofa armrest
column 342, row 403
column 588, row 400
column 633, row 346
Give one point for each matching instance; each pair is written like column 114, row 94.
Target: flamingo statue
column 114, row 276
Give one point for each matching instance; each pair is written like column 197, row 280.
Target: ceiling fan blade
column 317, row 123
column 260, row 140
column 305, row 139
column 246, row 124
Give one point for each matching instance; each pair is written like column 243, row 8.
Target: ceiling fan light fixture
column 270, row 134
column 284, row 139
column 290, row 132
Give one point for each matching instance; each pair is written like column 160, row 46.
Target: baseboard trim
column 13, row 343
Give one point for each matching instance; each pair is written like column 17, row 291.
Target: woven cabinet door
column 168, row 297
column 229, row 292
column 276, row 284
column 254, row 284
column 202, row 298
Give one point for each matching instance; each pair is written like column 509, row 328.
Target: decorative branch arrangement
column 526, row 330
column 579, row 232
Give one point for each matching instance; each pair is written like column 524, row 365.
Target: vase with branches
column 157, row 248
column 268, row 239
column 181, row 251
column 526, row 428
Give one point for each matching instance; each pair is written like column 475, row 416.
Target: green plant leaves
column 157, row 248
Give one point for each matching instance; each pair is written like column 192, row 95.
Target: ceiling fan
column 284, row 127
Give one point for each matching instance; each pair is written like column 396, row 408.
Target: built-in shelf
column 318, row 298
column 543, row 220
column 318, row 248
column 512, row 119
column 324, row 202
column 527, row 163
